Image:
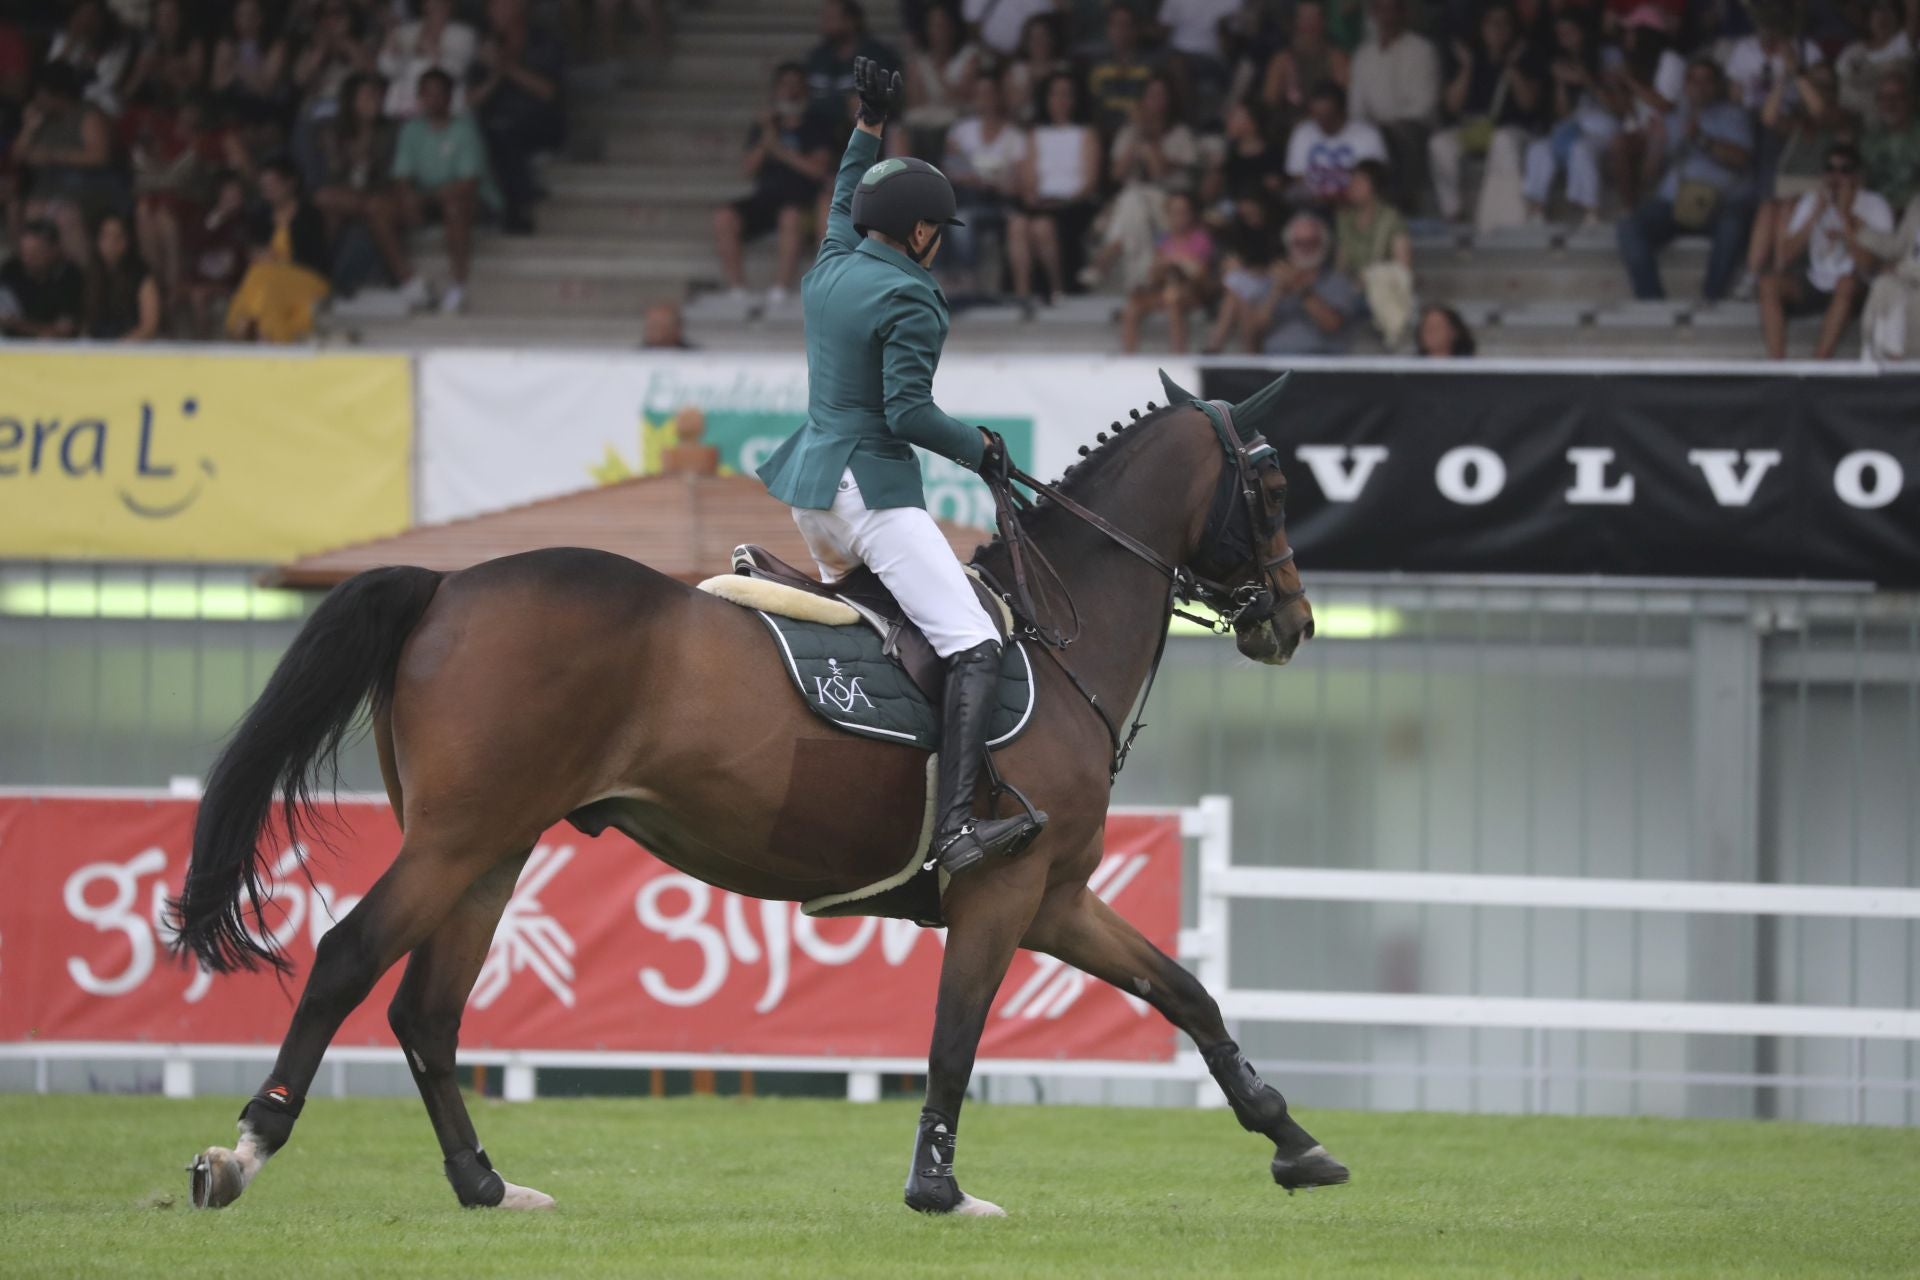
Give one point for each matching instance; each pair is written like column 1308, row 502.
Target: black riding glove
column 995, row 466
column 880, row 90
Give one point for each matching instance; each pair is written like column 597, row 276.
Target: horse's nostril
column 1309, row 633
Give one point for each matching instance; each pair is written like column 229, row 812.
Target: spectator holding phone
column 1310, row 307
column 1704, row 151
column 787, row 157
column 1820, row 267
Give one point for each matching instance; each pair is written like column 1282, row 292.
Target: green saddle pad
column 845, row 676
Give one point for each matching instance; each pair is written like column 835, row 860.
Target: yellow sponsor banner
column 201, row 455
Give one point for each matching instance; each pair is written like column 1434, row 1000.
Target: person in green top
column 1891, row 146
column 875, row 323
column 440, row 167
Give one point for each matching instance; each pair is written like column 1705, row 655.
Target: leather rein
column 1245, row 605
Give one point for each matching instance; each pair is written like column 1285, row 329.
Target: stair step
column 746, row 46
column 651, row 184
column 663, row 226
column 691, row 149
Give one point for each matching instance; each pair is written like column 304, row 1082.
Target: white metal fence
column 1222, row 884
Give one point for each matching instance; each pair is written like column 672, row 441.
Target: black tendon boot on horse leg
column 986, row 916
column 1298, row 1160
column 425, row 1017
column 973, row 688
column 1074, row 926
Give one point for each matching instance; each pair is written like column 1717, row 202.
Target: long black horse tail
column 289, row 744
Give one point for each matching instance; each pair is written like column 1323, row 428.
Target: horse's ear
column 1256, row 411
column 1176, row 394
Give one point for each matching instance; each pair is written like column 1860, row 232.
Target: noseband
column 1224, row 540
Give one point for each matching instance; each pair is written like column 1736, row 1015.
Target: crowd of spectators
column 1259, row 162
column 187, row 168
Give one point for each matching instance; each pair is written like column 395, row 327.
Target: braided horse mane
column 1109, row 446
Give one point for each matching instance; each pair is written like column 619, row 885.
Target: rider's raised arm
column 862, row 149
column 911, row 339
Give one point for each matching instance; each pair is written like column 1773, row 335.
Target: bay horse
column 566, row 682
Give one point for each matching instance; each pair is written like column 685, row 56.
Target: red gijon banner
column 602, row 947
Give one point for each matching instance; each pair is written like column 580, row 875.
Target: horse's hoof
column 1311, row 1168
column 940, row 1198
column 966, row 1207
column 524, row 1198
column 218, row 1178
column 972, row 1208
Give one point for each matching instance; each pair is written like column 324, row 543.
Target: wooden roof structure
column 683, row 524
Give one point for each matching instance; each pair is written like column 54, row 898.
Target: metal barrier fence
column 1221, row 884
column 1730, row 733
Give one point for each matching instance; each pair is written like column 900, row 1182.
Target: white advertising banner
column 500, row 428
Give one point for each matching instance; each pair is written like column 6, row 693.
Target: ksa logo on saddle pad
column 839, row 690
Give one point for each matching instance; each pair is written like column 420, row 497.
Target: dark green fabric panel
column 844, row 675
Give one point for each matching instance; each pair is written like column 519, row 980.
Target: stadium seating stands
column 653, row 145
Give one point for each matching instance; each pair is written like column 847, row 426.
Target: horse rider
column 875, row 322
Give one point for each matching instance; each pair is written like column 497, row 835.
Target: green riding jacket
column 875, row 324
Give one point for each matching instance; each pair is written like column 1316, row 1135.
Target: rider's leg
column 906, row 549
column 828, row 540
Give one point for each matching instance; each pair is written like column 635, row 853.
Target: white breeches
column 906, row 549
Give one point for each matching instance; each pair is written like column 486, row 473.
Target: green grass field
column 759, row 1188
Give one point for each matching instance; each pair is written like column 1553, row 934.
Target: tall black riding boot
column 959, row 841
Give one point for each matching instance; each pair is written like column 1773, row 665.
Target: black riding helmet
column 895, row 195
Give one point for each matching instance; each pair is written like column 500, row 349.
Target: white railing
column 1208, row 946
column 1221, row 883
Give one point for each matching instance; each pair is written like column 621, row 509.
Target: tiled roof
column 682, row 525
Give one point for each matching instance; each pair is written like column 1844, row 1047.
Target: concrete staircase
column 629, row 217
column 629, row 222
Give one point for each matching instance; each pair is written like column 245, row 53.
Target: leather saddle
column 863, row 591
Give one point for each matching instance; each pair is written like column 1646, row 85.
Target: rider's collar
column 887, row 253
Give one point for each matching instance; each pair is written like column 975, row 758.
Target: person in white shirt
column 1060, row 180
column 985, row 155
column 1890, row 43
column 940, row 76
column 1191, row 31
column 1326, row 147
column 1395, row 86
column 437, row 39
column 997, row 24
column 1890, row 326
column 1193, row 26
column 1820, row 267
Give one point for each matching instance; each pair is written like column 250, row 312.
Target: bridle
column 1224, row 540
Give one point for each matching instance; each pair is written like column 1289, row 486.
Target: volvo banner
column 1665, row 475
